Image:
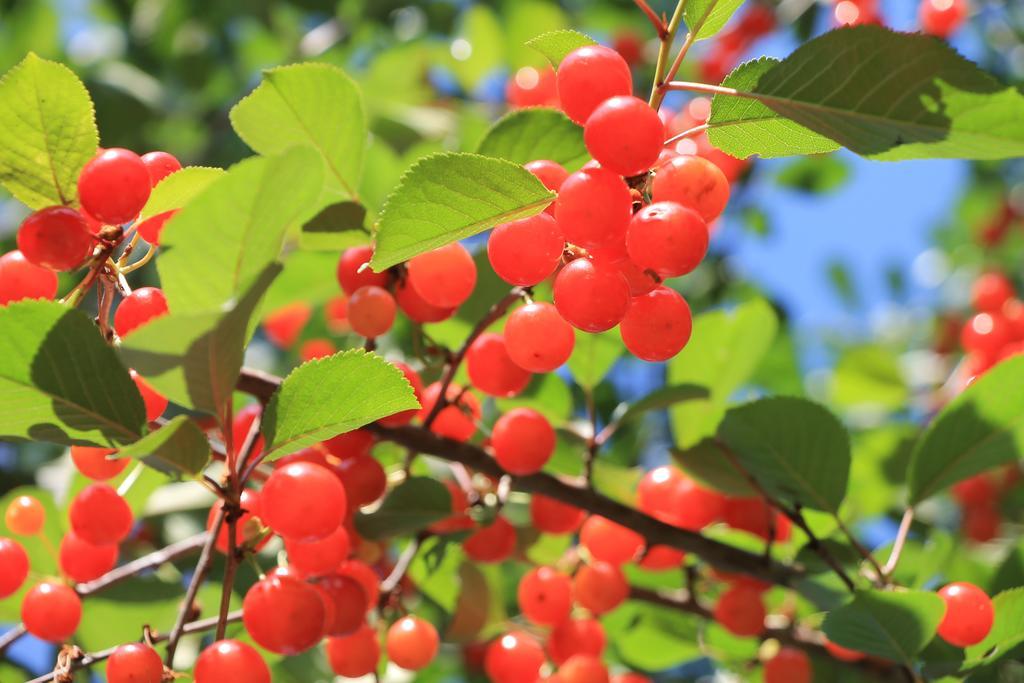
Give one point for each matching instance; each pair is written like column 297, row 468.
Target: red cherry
column 231, row 660
column 364, row 478
column 545, row 596
column 593, row 208
column 314, row 349
column 94, row 463
column 412, row 643
column 316, row 558
column 969, row 614
column 694, row 182
column 592, row 296
column 493, row 543
column 371, row 311
column 657, row 325
column 155, row 402
column 56, row 237
column 991, row 291
column 515, row 657
column 25, row 516
column 600, row 587
column 100, row 516
column 354, row 444
column 550, row 174
column 841, row 653
column 365, row 575
column 656, row 492
column 553, row 516
column 22, row 279
column 537, row 338
column 444, row 277
column 457, row 420
column 416, row 307
column 630, row 677
column 159, row 165
column 661, row 558
column 789, row 666
column 740, row 609
column 610, row 542
column 490, row 368
column 981, row 523
column 695, row 507
column 51, row 612
column 667, row 238
column 523, row 441
column 284, row 615
column 625, row 135
column 977, row 490
column 349, row 600
column 284, row 325
column 583, row 669
column 588, row 76
column 151, row 228
column 336, row 314
column 529, row 87
column 114, row 186
column 526, row 251
column 354, row 655
column 135, row 663
column 406, row 416
column 13, row 566
column 576, row 637
column 986, row 333
column 303, row 502
column 351, row 273
column 81, row 561
column 942, row 17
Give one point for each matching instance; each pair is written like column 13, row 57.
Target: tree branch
column 185, row 609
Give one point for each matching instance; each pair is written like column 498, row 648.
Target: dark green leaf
column 706, row 463
column 60, row 381
column 888, row 624
column 556, row 45
column 413, row 505
column 869, row 376
column 705, row 18
column 178, row 447
column 536, row 133
column 336, row 227
column 447, row 197
column 662, row 398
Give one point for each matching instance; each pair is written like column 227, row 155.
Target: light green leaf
column 884, row 95
column 536, row 133
column 593, row 356
column 662, row 398
column 869, row 376
column 525, row 19
column 981, row 428
column 194, row 358
column 231, row 231
column 652, row 638
column 328, row 396
column 706, row 463
column 39, row 547
column 796, row 449
column 705, row 18
column 888, row 624
column 61, row 382
column 308, row 276
column 450, row 196
column 556, row 45
column 413, row 505
column 546, row 393
column 724, row 351
column 1007, row 629
column 178, row 447
column 435, row 570
column 311, row 104
column 47, row 132
column 178, row 189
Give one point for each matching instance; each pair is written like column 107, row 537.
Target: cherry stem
column 898, row 544
column 657, row 22
column 390, row 585
column 667, row 38
column 696, row 130
column 861, row 550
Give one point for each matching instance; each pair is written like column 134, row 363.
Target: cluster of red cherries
column 937, row 17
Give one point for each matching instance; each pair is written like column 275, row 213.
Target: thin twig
column 11, row 637
column 202, row 566
column 897, row 546
column 390, row 584
column 859, row 547
column 144, row 564
column 696, row 130
column 656, row 21
column 666, row 47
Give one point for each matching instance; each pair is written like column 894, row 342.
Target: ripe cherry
column 14, row 566
column 583, row 669
column 661, row 558
column 592, row 296
column 284, row 325
column 25, row 516
column 553, row 516
column 138, row 308
column 94, row 463
column 354, row 655
column 22, row 279
column 969, row 614
column 625, row 135
column 51, row 612
column 545, row 596
column 349, row 602
column 530, row 87
column 610, row 542
column 657, row 325
column 284, row 614
column 790, row 665
column 757, row 517
column 406, row 416
column 976, row 490
column 980, row 523
column 523, row 441
column 135, row 663
column 843, row 654
column 151, row 228
column 588, row 76
column 491, row 369
column 303, row 502
column 537, row 338
column 445, row 276
column 600, row 587
column 493, row 543
column 667, row 238
column 576, row 637
column 514, row 657
column 371, row 311
column 942, row 17
column 364, row 478
column 986, row 333
column 314, row 349
column 159, row 165
column 740, row 609
column 695, row 507
column 694, row 182
column 55, row 237
column 365, row 575
column 352, row 275
column 154, row 401
column 990, row 291
column 526, row 251
column 100, row 516
column 416, row 307
column 457, row 420
column 231, row 660
column 551, row 174
column 656, row 492
column 593, row 208
column 412, row 643
column 353, row 444
column 317, row 558
column 114, row 186
column 81, row 561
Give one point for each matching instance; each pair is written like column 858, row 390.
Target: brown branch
column 186, row 607
column 657, row 22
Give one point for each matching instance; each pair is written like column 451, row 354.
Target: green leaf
column 1007, row 629
column 478, row 46
column 556, row 45
column 981, row 428
column 234, row 229
column 706, row 463
column 652, row 638
column 546, row 393
column 435, row 570
column 308, row 276
column 178, row 447
column 888, row 624
column 328, row 396
column 61, row 382
column 413, row 505
column 705, row 18
column 178, row 189
column 593, row 356
column 194, row 358
column 659, row 399
column 723, row 353
column 47, row 132
column 795, row 448
column 336, row 227
column 536, row 133
column 884, row 95
column 447, row 197
column 311, row 104
column 869, row 376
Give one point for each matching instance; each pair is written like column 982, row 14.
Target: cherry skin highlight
column 159, row 165
column 537, row 338
column 138, row 308
column 135, row 663
column 667, row 238
column 100, row 516
column 588, row 76
column 523, row 441
column 25, row 516
column 515, row 657
column 114, row 186
column 303, row 502
column 412, row 643
column 56, row 237
column 625, row 135
column 526, row 251
column 21, row 279
column 231, row 660
column 51, row 612
column 969, row 614
column 591, row 296
column 942, row 17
